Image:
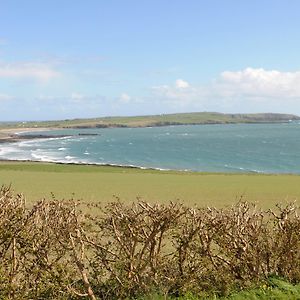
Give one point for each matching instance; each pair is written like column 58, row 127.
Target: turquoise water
column 267, row 148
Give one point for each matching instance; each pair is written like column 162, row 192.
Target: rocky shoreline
column 17, row 138
column 12, row 136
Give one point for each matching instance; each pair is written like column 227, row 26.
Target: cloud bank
column 250, row 87
column 260, row 83
column 181, row 84
column 243, row 91
column 28, row 70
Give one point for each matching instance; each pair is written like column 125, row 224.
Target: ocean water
column 265, row 148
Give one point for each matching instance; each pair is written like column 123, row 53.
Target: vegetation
column 53, row 251
column 158, row 120
column 274, row 289
column 98, row 184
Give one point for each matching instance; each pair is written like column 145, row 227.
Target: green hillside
column 160, row 120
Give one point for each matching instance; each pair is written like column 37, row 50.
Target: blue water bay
column 267, row 148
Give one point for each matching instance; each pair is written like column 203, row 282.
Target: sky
column 62, row 59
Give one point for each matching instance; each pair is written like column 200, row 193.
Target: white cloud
column 264, row 89
column 5, row 97
column 28, row 70
column 180, row 94
column 125, row 98
column 181, row 84
column 261, row 83
column 74, row 98
column 78, row 97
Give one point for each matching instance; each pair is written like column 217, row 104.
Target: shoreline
column 96, row 165
column 13, row 135
column 140, row 168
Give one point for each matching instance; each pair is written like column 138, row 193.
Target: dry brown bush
column 42, row 251
column 132, row 247
column 53, row 251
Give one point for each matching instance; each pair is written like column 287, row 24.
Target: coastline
column 15, row 135
column 141, row 168
column 93, row 164
column 12, row 135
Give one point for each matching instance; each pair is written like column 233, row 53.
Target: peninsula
column 8, row 130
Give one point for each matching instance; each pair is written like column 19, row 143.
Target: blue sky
column 67, row 59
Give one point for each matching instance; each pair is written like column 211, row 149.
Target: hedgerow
column 52, row 250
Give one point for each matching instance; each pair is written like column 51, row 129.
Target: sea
column 257, row 148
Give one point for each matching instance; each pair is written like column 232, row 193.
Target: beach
column 15, row 134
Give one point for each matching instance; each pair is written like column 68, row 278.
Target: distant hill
column 161, row 120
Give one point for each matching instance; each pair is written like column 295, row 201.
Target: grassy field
column 276, row 290
column 158, row 120
column 100, row 184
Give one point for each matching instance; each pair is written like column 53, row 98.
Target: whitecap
column 40, row 157
column 68, row 157
column 8, row 150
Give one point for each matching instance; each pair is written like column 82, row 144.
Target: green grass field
column 277, row 290
column 280, row 290
column 100, row 184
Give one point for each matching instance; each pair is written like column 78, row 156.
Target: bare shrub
column 42, row 253
column 223, row 249
column 286, row 242
column 131, row 246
